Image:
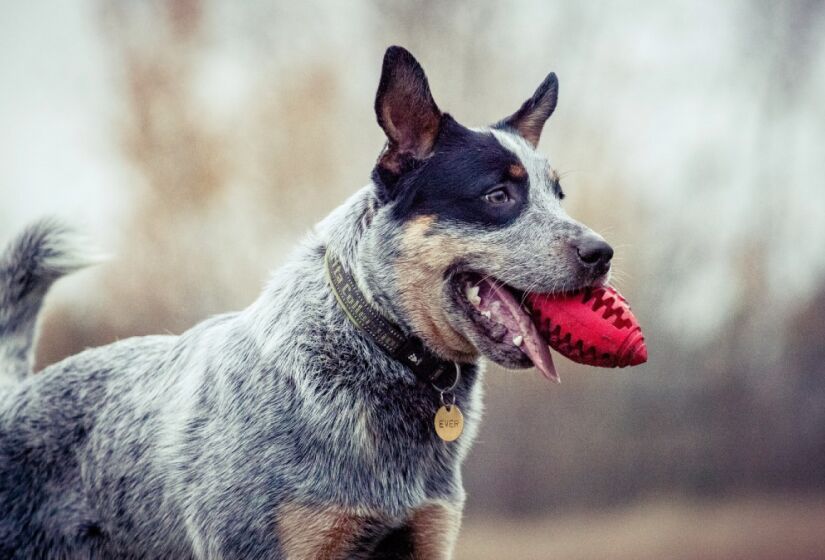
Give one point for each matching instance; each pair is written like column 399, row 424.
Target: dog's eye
column 498, row 196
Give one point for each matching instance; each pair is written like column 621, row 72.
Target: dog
column 289, row 429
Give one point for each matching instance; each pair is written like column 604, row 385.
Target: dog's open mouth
column 498, row 313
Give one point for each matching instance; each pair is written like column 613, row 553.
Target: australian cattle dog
column 306, row 425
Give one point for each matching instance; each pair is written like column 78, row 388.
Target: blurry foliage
column 217, row 201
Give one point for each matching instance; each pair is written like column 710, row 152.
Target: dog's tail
column 40, row 254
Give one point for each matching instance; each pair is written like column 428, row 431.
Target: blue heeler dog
column 302, row 426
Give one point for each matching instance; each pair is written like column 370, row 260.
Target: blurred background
column 197, row 140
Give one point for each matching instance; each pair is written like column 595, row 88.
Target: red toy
column 593, row 326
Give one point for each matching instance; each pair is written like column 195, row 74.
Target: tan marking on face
column 308, row 533
column 517, row 171
column 425, row 256
column 435, row 530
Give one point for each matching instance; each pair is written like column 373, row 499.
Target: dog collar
column 409, row 350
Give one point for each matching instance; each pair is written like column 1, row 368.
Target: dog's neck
column 370, row 243
column 343, row 233
column 298, row 297
column 301, row 284
column 303, row 337
column 407, row 349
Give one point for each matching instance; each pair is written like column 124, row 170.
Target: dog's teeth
column 472, row 295
column 487, row 314
column 517, row 340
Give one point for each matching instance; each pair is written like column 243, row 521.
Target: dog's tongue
column 506, row 310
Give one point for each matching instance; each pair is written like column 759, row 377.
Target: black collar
column 409, row 350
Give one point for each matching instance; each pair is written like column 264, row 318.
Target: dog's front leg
column 434, row 528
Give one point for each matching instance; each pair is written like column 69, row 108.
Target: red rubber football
column 593, row 326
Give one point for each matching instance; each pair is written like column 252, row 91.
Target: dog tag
column 449, row 422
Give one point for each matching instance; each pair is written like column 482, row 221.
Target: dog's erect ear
column 405, row 110
column 529, row 120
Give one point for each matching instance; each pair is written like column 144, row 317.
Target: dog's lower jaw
column 431, row 324
column 420, row 273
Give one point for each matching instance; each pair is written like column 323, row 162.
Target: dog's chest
column 377, row 443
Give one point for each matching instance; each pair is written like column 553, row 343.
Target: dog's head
column 470, row 219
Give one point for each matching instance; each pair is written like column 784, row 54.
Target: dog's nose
column 593, row 251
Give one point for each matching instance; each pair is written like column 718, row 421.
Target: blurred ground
column 767, row 528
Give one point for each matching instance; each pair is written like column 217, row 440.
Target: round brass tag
column 449, row 422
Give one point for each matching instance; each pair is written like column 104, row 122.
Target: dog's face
column 470, row 221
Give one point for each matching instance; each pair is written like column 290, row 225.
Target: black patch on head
column 452, row 183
